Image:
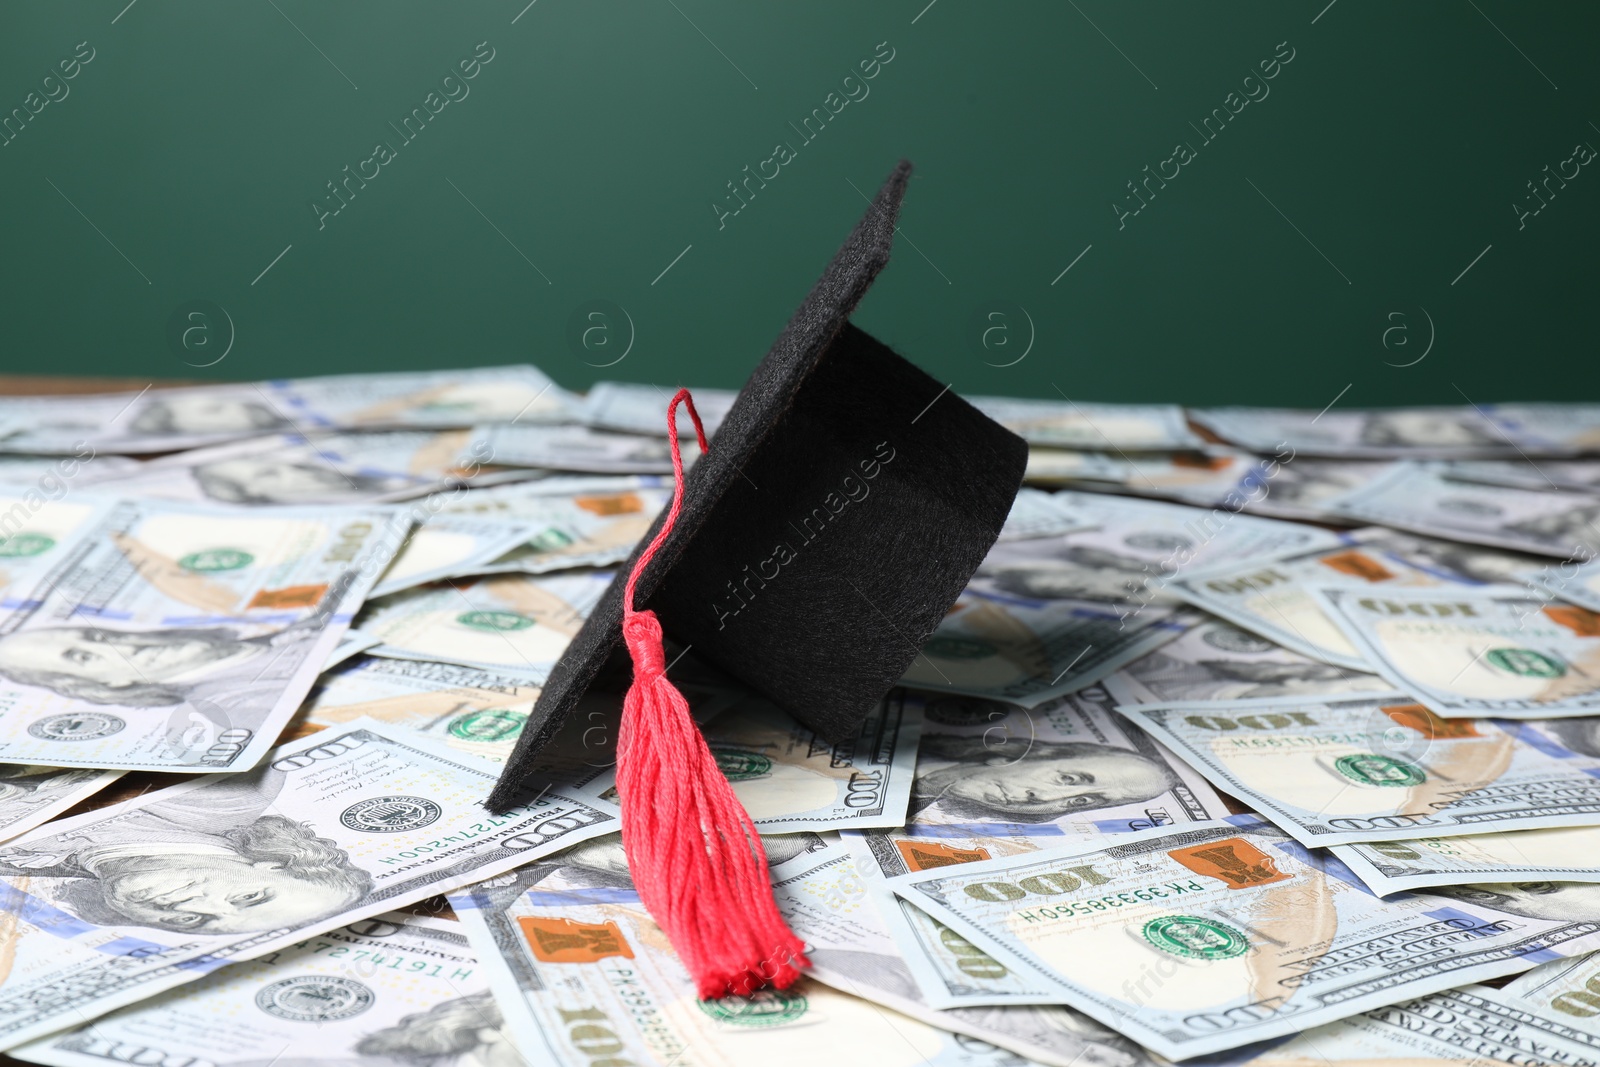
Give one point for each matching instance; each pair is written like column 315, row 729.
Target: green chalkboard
column 1269, row 203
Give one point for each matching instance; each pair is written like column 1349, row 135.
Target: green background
column 1389, row 154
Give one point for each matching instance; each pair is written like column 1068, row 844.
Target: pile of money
column 1261, row 737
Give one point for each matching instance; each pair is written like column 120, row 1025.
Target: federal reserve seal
column 494, row 620
column 489, row 724
column 768, row 1007
column 315, row 998
column 737, row 765
column 212, row 560
column 1195, row 938
column 78, row 726
column 1525, row 662
column 25, row 544
column 1369, row 768
column 390, row 815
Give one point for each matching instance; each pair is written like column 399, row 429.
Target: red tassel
column 693, row 852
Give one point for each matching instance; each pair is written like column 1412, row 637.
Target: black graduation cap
column 843, row 504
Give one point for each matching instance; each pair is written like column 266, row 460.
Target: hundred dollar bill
column 590, row 525
column 445, row 546
column 1050, row 615
column 1066, row 424
column 1570, row 580
column 1289, row 486
column 1562, row 854
column 1132, row 550
column 1476, row 652
column 117, row 905
column 1581, row 475
column 1060, row 466
column 635, row 408
column 353, row 642
column 577, row 448
column 995, row 780
column 32, row 796
column 176, row 637
column 166, row 419
column 513, row 623
column 1193, row 940
column 1038, row 514
column 1349, row 769
column 1566, row 989
column 1273, row 598
column 388, row 990
column 1218, row 661
column 1392, row 433
column 831, row 899
column 789, row 780
column 1471, row 1027
column 320, row 468
column 1546, row 522
column 580, row 970
column 39, row 528
column 50, row 474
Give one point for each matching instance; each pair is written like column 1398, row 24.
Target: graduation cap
column 839, row 511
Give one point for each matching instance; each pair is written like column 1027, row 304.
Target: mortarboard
column 839, row 511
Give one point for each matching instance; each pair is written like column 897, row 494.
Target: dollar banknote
column 1067, row 466
column 581, row 971
column 39, row 528
column 31, row 796
column 577, row 448
column 1050, row 615
column 1289, row 486
column 996, row 780
column 469, row 709
column 574, row 525
column 1476, row 652
column 1395, row 432
column 1546, row 522
column 1193, row 940
column 1564, row 989
column 178, row 637
column 351, row 643
column 1274, row 598
column 1130, row 550
column 117, row 905
column 392, row 989
column 1580, row 475
column 309, row 469
column 448, row 546
column 160, row 420
column 831, row 898
column 1561, row 854
column 52, row 473
column 1216, row 660
column 513, row 623
column 1035, row 513
column 635, row 408
column 1068, row 424
column 1475, row 1026
column 790, row 780
column 1570, row 580
column 1350, row 769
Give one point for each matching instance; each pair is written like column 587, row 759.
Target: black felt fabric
column 841, row 508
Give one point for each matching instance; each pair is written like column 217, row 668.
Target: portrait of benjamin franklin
column 256, row 481
column 1578, row 735
column 153, row 668
column 1422, row 428
column 1556, row 901
column 1018, row 779
column 207, row 862
column 445, row 1035
column 1075, row 572
column 205, row 414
